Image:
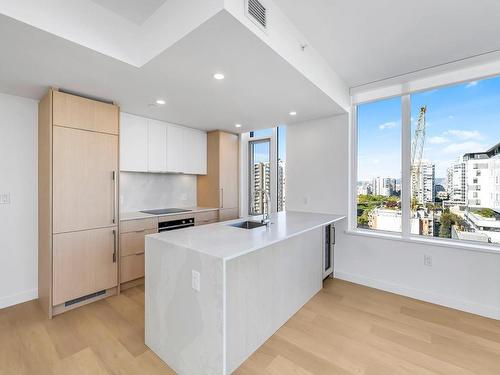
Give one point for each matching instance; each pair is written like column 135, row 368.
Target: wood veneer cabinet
column 132, row 243
column 78, row 211
column 132, row 248
column 219, row 187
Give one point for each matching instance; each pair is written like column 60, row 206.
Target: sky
column 460, row 119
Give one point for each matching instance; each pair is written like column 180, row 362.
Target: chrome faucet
column 265, row 205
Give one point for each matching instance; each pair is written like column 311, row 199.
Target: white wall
column 317, row 180
column 316, row 165
column 143, row 191
column 18, row 220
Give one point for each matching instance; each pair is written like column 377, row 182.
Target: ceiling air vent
column 257, row 12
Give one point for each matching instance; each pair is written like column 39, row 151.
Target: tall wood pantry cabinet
column 78, row 201
column 219, row 187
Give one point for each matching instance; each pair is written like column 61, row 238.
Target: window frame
column 405, row 235
column 251, row 142
column 244, row 163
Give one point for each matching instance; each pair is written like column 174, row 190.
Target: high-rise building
column 456, row 184
column 281, row 185
column 261, row 182
column 364, row 188
column 483, row 179
column 383, row 186
column 425, row 191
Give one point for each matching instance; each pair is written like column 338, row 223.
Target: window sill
column 469, row 246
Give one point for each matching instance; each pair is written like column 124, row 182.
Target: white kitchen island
column 251, row 281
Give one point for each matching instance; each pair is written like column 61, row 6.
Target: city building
column 364, row 188
column 384, row 186
column 385, row 219
column 483, row 179
column 422, row 222
column 281, row 185
column 424, row 191
column 487, row 227
column 261, row 182
column 456, row 184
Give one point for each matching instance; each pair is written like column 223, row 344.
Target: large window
column 455, row 163
column 267, row 170
column 452, row 163
column 379, row 166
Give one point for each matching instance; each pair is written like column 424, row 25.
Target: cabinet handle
column 222, row 198
column 114, row 245
column 114, row 196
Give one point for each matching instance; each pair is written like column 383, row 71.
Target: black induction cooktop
column 165, row 211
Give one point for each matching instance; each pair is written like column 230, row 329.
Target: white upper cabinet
column 155, row 146
column 175, row 149
column 133, row 143
column 195, row 151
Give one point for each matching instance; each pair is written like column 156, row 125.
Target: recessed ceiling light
column 219, row 76
column 293, row 113
column 238, row 125
column 160, row 102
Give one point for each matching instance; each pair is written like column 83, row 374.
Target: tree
column 448, row 219
column 414, row 204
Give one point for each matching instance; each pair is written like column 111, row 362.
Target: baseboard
column 15, row 299
column 462, row 305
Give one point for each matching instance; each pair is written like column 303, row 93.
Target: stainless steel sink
column 247, row 224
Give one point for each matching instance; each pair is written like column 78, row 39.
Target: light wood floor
column 345, row 329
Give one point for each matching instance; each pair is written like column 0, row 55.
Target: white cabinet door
column 157, row 150
column 175, row 148
column 133, row 143
column 195, row 151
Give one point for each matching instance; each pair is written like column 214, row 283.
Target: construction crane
column 417, row 151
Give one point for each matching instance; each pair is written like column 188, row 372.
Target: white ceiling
column 366, row 41
column 136, row 11
column 259, row 90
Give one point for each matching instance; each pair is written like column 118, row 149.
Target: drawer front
column 138, row 225
column 131, row 267
column 202, row 218
column 133, row 242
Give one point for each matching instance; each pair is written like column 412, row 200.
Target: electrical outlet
column 427, row 260
column 5, row 198
column 306, row 200
column 195, row 280
column 184, row 197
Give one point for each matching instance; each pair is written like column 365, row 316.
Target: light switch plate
column 427, row 260
column 195, row 280
column 5, row 198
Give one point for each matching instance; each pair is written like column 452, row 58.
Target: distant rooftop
column 495, row 150
column 470, row 236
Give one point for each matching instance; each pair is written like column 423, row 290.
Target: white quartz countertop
column 125, row 216
column 224, row 241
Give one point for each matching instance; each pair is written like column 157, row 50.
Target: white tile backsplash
column 145, row 191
